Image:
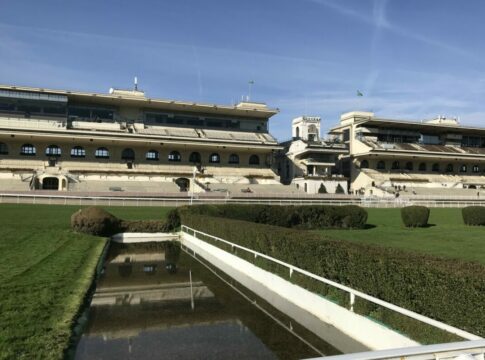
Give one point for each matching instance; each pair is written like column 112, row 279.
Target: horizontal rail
column 425, row 352
column 137, row 200
column 352, row 292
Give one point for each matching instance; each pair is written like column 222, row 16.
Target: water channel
column 154, row 301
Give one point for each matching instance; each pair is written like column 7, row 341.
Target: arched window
column 174, row 156
column 476, row 168
column 254, row 160
column 422, row 167
column 194, row 157
column 152, row 155
column 233, row 159
column 449, row 168
column 463, row 168
column 78, row 152
column 409, row 166
column 435, row 167
column 214, row 158
column 297, row 132
column 28, row 150
column 381, row 165
column 102, row 153
column 364, row 164
column 53, row 150
column 3, row 149
column 395, row 165
column 128, row 154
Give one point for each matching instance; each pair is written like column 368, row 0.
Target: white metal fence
column 352, row 293
column 463, row 350
column 370, row 202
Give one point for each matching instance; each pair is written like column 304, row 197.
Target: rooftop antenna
column 136, row 83
column 250, row 85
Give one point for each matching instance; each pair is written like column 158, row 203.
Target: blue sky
column 411, row 59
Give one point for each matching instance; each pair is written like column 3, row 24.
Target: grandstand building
column 125, row 141
column 386, row 156
column 310, row 163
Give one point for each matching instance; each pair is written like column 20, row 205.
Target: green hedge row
column 415, row 216
column 474, row 215
column 451, row 291
column 305, row 217
column 97, row 221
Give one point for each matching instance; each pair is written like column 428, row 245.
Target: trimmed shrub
column 95, row 221
column 152, row 226
column 447, row 290
column 339, row 189
column 149, row 226
column 415, row 216
column 99, row 222
column 303, row 217
column 474, row 215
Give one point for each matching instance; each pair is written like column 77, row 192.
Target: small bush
column 339, row 189
column 95, row 221
column 415, row 216
column 474, row 215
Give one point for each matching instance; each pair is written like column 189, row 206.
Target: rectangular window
column 156, row 118
column 346, row 134
column 5, row 106
column 175, row 120
column 102, row 114
column 79, row 112
column 233, row 124
column 31, row 109
column 54, row 110
column 214, row 123
column 195, row 122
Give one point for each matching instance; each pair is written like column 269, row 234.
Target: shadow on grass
column 369, row 226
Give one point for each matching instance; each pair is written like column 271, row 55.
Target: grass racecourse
column 446, row 236
column 47, row 268
column 44, row 275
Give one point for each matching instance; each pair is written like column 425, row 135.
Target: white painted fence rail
column 368, row 202
column 352, row 292
column 463, row 350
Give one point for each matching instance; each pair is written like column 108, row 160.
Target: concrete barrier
column 346, row 330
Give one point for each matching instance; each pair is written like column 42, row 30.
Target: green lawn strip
column 45, row 273
column 446, row 237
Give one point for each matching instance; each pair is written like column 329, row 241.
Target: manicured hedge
column 415, row 216
column 99, row 222
column 304, row 217
column 446, row 290
column 474, row 215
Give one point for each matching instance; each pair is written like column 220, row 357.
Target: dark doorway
column 183, row 184
column 50, row 183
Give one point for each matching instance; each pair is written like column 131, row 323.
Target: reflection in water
column 142, row 310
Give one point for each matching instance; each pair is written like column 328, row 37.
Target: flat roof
column 415, row 125
column 123, row 98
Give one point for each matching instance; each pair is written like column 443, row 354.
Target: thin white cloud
column 379, row 20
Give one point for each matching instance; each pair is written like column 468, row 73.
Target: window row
column 127, row 154
column 396, row 165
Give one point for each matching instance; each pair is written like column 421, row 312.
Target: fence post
column 352, row 301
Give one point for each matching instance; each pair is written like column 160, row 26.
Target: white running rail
column 352, row 292
column 463, row 350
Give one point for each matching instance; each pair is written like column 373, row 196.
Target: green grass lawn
column 447, row 237
column 44, row 274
